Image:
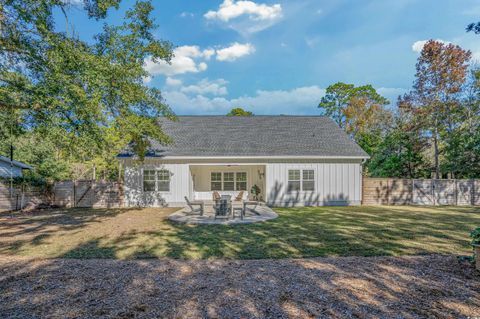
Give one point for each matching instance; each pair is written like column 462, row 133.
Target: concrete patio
column 253, row 214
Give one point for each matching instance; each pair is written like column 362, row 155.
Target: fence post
column 472, row 191
column 74, row 194
column 433, row 192
column 388, row 191
column 22, row 198
column 412, row 191
column 456, row 192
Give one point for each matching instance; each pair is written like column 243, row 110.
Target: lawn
column 297, row 232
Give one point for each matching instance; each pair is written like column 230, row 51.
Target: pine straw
column 345, row 287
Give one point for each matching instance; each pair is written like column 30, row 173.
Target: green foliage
column 435, row 102
column 339, row 96
column 79, row 98
column 475, row 235
column 238, row 111
column 360, row 111
column 434, row 127
column 255, row 190
column 26, row 180
column 398, row 155
column 461, row 146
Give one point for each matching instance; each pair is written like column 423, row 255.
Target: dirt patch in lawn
column 346, row 287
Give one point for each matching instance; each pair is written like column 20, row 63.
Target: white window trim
column 156, row 180
column 301, row 169
column 223, row 181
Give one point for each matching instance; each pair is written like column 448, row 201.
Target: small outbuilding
column 13, row 168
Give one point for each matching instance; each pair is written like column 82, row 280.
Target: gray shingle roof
column 14, row 162
column 254, row 136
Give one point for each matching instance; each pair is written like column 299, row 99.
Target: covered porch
column 235, row 180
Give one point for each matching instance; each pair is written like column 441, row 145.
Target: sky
column 277, row 57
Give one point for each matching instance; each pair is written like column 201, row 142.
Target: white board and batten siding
column 180, row 186
column 335, row 184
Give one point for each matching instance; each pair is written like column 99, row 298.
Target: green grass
column 297, row 232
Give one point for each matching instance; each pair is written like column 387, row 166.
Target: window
column 163, row 181
column 301, row 182
column 293, row 180
column 216, row 181
column 228, row 181
column 156, row 180
column 148, row 180
column 308, row 182
column 241, row 181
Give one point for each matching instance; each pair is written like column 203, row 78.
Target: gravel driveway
column 347, row 287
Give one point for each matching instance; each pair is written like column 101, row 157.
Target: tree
column 462, row 145
column 341, row 101
column 360, row 111
column 238, row 111
column 433, row 102
column 399, row 153
column 474, row 27
column 52, row 81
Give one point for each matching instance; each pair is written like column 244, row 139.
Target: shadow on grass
column 297, row 232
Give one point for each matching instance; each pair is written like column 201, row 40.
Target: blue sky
column 277, row 57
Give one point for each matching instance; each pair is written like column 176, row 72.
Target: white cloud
column 147, row 79
column 208, row 53
column 185, row 60
column 246, row 16
column 235, row 51
column 191, row 59
column 216, row 87
column 418, row 45
column 302, row 100
column 173, row 82
column 186, row 14
column 297, row 101
column 73, row 2
column 231, row 9
column 476, row 57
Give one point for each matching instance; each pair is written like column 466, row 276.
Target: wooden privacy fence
column 20, row 196
column 85, row 193
column 88, row 193
column 391, row 191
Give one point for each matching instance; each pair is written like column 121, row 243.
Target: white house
column 294, row 160
column 12, row 168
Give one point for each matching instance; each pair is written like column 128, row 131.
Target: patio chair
column 223, row 208
column 216, row 196
column 191, row 204
column 239, row 197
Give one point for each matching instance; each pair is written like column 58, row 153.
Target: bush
column 475, row 234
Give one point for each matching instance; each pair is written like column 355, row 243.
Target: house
column 293, row 160
column 12, row 168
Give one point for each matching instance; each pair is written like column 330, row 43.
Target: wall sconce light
column 261, row 175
